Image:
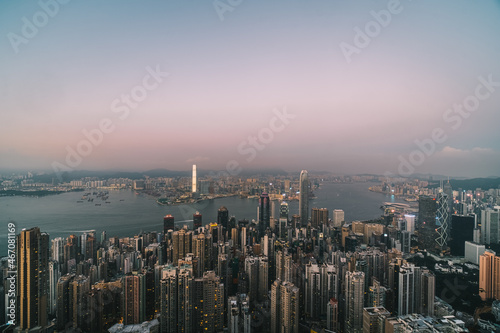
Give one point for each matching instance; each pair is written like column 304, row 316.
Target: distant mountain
column 471, row 184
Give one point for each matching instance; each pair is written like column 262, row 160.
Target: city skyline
column 308, row 86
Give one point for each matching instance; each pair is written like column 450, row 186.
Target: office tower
column 473, row 251
column 33, row 278
column 332, row 315
column 405, row 239
column 283, row 220
column 243, row 240
column 490, row 226
column 64, row 309
column 489, row 275
column 354, row 297
column 304, row 198
column 443, row 220
column 252, row 270
column 426, row 293
column 345, row 234
column 462, row 230
column 193, row 182
column 410, row 223
column 168, row 224
column 223, row 217
column 374, row 319
column 447, row 189
column 54, row 275
column 80, row 286
column 338, row 218
column 263, row 278
column 284, row 307
column 319, row 216
column 264, row 213
column 134, row 291
column 426, row 226
column 197, row 222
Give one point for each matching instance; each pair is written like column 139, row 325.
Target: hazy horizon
column 208, row 81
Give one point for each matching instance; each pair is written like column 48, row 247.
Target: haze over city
column 355, row 105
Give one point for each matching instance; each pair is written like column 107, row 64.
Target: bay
column 128, row 213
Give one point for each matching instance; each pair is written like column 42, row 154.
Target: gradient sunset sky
column 228, row 76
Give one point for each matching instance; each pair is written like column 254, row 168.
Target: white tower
column 193, row 187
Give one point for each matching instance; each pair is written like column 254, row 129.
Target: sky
column 382, row 87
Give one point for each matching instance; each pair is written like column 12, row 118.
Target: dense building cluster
column 280, row 273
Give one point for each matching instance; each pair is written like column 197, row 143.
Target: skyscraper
column 197, row 221
column 354, row 297
column 264, row 213
column 193, row 182
column 319, row 217
column 406, row 290
column 338, row 218
column 426, row 225
column 284, row 307
column 462, row 230
column 168, row 223
column 490, row 226
column 134, row 291
column 489, row 275
column 33, row 278
column 223, row 217
column 283, row 220
column 304, row 197
column 443, row 220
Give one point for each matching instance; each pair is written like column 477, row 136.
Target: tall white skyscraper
column 304, row 198
column 193, row 186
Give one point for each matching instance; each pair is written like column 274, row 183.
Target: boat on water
column 97, row 204
column 80, row 201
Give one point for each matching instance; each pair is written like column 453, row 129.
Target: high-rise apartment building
column 284, row 307
column 354, row 298
column 33, row 278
